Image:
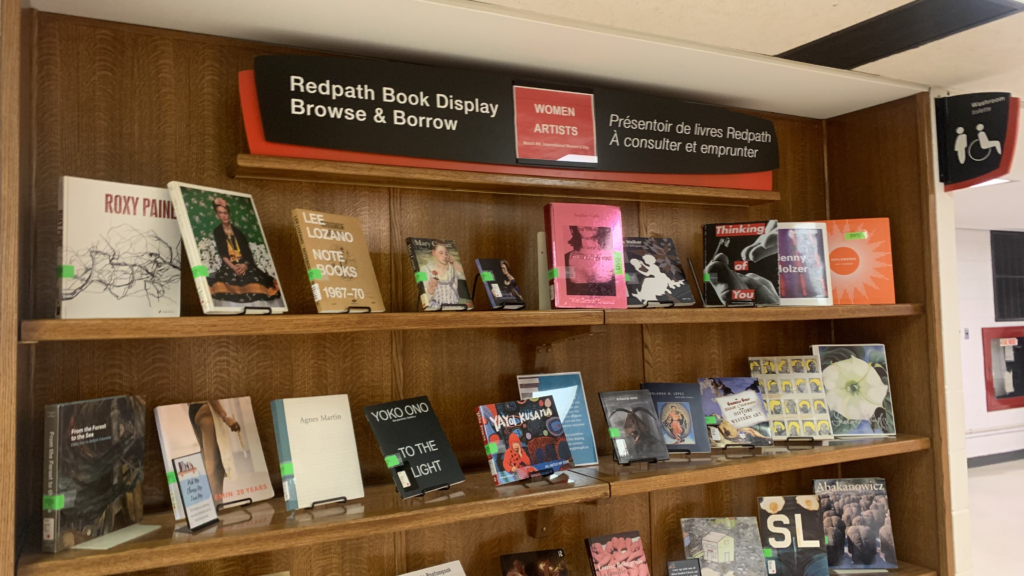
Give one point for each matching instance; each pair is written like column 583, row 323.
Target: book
column 724, row 545
column 585, row 268
column 804, row 278
column 92, row 470
column 735, row 412
column 654, row 277
column 224, row 432
column 523, row 439
column 193, row 485
column 545, row 290
column 120, row 252
column 537, row 563
column 415, row 447
column 856, row 380
column 684, row 568
column 680, row 411
column 793, row 389
column 858, row 524
column 741, row 263
column 860, row 260
column 633, row 426
column 316, row 447
column 501, row 287
column 449, row 569
column 439, row 276
column 228, row 251
column 337, row 262
column 571, row 400
column 617, row 555
column 793, row 535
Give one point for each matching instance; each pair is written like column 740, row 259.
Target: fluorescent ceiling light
column 991, row 182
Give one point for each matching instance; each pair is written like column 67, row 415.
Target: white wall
column 987, row 432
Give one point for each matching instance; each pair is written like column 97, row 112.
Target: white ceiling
column 999, row 207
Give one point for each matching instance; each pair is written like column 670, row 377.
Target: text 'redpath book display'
column 225, row 433
column 741, row 263
column 856, row 380
column 793, row 535
column 227, row 250
column 415, row 447
column 523, row 439
column 724, row 545
column 735, row 412
column 681, row 412
column 92, row 475
column 585, row 260
column 449, row 569
column 633, row 426
column 438, row 273
column 804, row 278
column 570, row 399
column 499, row 283
column 795, row 394
column 120, row 253
column 861, row 261
column 617, row 555
column 316, row 447
column 858, row 524
column 654, row 277
column 337, row 262
column 538, row 563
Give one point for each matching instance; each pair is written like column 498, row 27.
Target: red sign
column 741, row 266
column 554, row 125
column 1007, row 341
column 746, row 295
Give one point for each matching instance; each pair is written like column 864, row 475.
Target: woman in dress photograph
column 508, row 283
column 443, row 274
column 202, row 415
column 239, row 281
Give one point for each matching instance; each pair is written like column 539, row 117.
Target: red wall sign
column 1007, row 336
column 554, row 125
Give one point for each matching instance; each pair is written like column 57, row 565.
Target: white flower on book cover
column 261, row 254
column 854, row 389
column 208, row 252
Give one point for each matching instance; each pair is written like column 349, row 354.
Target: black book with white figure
column 654, row 277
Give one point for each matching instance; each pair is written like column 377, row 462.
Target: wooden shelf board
column 768, row 314
column 267, row 526
column 908, row 569
column 677, row 473
column 303, row 170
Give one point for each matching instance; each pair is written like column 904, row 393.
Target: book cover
column 523, row 439
column 449, row 569
column 633, row 426
column 227, row 249
column 860, row 258
column 545, row 290
column 438, row 273
column 684, row 568
column 585, row 267
column 804, row 278
column 120, row 253
column 680, row 410
column 314, row 470
column 793, row 389
column 538, row 563
column 858, row 524
column 724, row 545
column 92, row 470
column 570, row 399
column 654, row 277
column 224, row 432
column 501, row 287
column 415, row 447
column 735, row 412
column 793, row 535
column 856, row 380
column 618, row 555
column 741, row 263
column 337, row 262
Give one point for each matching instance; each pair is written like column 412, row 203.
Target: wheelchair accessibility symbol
column 978, row 149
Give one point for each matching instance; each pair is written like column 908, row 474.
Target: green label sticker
column 200, row 271
column 553, row 273
column 767, row 552
column 53, row 502
column 860, row 235
column 707, row 277
column 618, row 263
column 172, row 478
column 491, row 448
column 614, row 432
column 487, row 276
column 826, row 539
column 66, row 271
column 627, row 276
column 287, row 469
column 392, row 460
column 314, row 274
column 710, row 420
column 420, row 276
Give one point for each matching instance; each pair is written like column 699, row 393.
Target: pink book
column 585, row 256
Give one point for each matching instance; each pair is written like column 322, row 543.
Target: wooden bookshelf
column 300, row 170
column 772, row 314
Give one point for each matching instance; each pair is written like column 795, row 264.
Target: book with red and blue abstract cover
column 523, row 439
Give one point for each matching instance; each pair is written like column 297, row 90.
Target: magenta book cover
column 585, row 268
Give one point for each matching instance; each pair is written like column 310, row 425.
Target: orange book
column 861, row 261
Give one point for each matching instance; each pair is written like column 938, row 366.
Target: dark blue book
column 681, row 413
column 501, row 287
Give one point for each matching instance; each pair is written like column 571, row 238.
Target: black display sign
column 977, row 136
column 435, row 113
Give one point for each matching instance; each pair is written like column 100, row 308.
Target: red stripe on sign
column 1009, row 148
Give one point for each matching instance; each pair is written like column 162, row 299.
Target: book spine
column 188, row 239
column 549, row 232
column 421, row 287
column 482, row 422
column 284, row 455
column 62, row 234
column 52, row 503
column 172, row 478
column 317, row 297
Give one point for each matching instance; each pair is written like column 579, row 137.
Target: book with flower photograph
column 654, row 277
column 724, row 545
column 857, row 390
column 793, row 535
column 735, row 412
column 858, row 525
column 439, row 276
